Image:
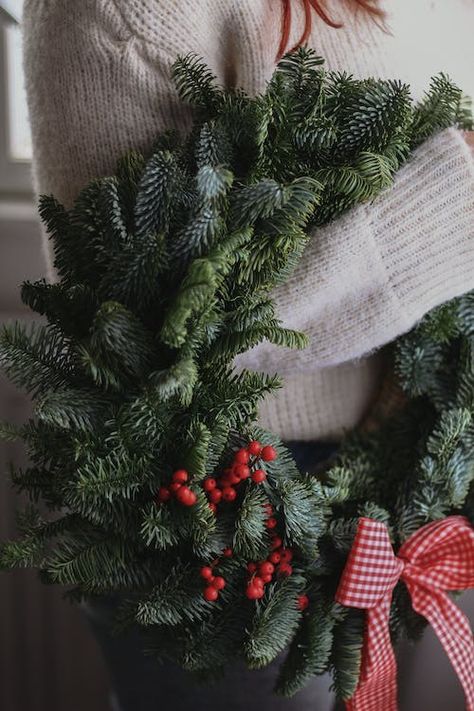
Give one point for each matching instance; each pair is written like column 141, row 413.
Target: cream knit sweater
column 98, row 83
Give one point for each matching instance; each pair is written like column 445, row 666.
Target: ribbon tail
column 453, row 631
column 377, row 688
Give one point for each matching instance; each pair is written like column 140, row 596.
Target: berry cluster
column 223, row 488
column 245, row 465
column 277, row 563
column 182, row 493
column 214, row 583
column 261, row 572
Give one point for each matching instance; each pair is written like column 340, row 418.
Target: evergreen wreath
column 161, row 489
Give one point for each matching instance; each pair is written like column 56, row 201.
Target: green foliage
column 165, row 274
column 35, row 357
column 275, row 621
column 347, row 652
column 250, row 537
column 304, row 514
column 159, row 194
column 373, row 110
column 159, row 530
column 176, row 599
column 441, row 107
column 195, row 82
column 310, row 650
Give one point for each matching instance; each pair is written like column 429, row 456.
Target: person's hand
column 469, row 138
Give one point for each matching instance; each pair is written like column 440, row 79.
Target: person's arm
column 372, row 274
column 98, row 83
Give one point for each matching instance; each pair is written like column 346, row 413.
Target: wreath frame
column 165, row 275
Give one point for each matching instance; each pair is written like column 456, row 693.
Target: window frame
column 15, row 173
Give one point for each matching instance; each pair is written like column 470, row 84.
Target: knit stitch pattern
column 98, row 84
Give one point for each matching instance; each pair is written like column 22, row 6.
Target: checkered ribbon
column 437, row 558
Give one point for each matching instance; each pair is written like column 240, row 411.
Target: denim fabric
column 141, row 685
column 308, row 455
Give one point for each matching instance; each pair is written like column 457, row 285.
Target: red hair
column 369, row 6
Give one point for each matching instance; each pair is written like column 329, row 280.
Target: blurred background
column 49, row 660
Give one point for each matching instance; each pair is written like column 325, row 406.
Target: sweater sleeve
column 98, row 83
column 372, row 274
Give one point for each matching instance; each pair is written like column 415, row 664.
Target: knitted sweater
column 98, row 83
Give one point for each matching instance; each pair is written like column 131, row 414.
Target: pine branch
column 35, row 357
column 166, row 272
column 276, row 620
column 309, row 652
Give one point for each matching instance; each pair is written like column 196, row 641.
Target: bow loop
column 372, row 570
column 441, row 555
column 437, row 558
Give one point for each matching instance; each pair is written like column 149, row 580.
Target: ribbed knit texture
column 98, row 83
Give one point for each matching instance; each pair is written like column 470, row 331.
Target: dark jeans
column 142, row 685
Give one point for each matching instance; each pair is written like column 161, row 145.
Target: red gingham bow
column 436, row 558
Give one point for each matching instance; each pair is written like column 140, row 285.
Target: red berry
column 266, row 568
column 234, row 478
column 302, row 602
column 215, row 496
column 286, row 555
column 206, row 572
column 164, row 494
column 242, row 471
column 213, row 507
column 218, row 583
column 275, row 558
column 268, row 509
column 229, row 494
column 277, row 542
column 258, row 476
column 257, row 581
column 228, row 480
column 186, row 497
column 271, row 522
column 254, row 448
column 253, row 592
column 241, row 457
column 227, row 552
column 267, row 578
column 285, row 569
column 209, row 484
column 268, row 454
column 180, row 476
column 192, row 498
column 251, row 567
column 175, row 486
column 210, row 593
column 182, row 492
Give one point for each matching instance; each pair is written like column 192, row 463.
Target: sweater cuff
column 424, row 227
